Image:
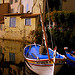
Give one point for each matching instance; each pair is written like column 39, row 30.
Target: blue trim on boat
column 70, row 56
column 32, row 52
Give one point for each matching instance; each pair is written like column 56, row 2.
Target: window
column 13, row 22
column 27, row 8
column 28, row 21
column 12, row 57
column 0, row 27
column 16, row 0
column 11, row 1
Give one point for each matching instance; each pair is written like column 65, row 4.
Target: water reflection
column 11, row 58
column 13, row 50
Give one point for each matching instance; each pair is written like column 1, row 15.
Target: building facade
column 18, row 26
column 18, row 7
column 68, row 5
column 4, row 1
column 4, row 9
column 24, row 6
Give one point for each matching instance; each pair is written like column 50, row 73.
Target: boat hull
column 70, row 62
column 45, row 69
column 44, row 66
column 40, row 64
column 70, row 59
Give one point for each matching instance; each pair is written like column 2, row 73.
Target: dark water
column 12, row 60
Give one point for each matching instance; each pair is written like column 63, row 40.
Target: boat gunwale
column 42, row 59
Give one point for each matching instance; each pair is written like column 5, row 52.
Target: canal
column 12, row 60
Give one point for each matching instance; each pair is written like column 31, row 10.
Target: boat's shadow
column 66, row 70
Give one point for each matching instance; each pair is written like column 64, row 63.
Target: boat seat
column 33, row 55
column 30, row 56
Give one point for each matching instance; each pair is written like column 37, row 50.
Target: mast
column 54, row 55
column 44, row 32
column 49, row 24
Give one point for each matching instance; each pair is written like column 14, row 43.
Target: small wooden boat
column 40, row 64
column 70, row 58
column 43, row 63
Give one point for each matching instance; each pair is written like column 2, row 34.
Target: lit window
column 13, row 22
column 28, row 21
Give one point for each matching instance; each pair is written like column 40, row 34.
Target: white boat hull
column 40, row 64
column 44, row 70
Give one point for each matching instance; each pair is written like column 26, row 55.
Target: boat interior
column 32, row 52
